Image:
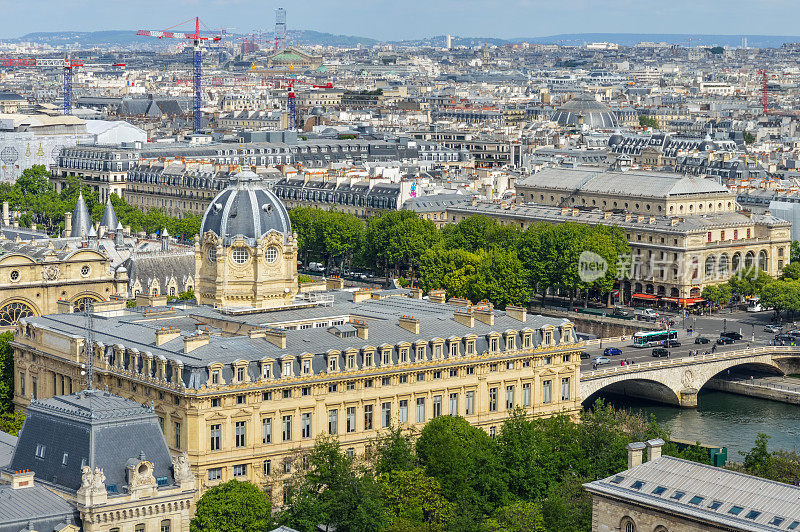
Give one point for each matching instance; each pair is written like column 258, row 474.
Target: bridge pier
column 687, row 398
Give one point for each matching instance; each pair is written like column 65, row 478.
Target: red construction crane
column 764, row 91
column 197, row 39
column 66, row 64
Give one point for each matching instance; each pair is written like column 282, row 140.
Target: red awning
column 644, row 296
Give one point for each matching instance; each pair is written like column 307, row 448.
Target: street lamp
column 753, row 339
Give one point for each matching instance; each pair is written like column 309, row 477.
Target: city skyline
column 387, row 21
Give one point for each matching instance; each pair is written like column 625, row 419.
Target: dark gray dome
column 584, row 109
column 246, row 209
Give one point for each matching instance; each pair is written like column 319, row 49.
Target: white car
column 772, row 328
column 601, row 360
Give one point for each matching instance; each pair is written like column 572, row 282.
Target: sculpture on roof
column 92, row 481
column 182, row 471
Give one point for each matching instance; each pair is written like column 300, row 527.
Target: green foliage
column 781, row 294
column 749, row 283
column 466, row 462
column 328, row 235
column 794, row 251
column 756, row 460
column 520, row 516
column 333, row 490
column 394, row 451
column 399, row 238
column 780, row 466
column 233, row 507
column 6, row 372
column 716, row 50
column 791, row 272
column 303, row 278
column 11, row 422
column 718, row 294
column 414, row 501
column 648, row 121
column 183, row 296
column 749, row 138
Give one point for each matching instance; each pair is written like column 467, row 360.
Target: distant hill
column 129, row 39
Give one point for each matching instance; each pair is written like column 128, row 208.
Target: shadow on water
column 723, row 419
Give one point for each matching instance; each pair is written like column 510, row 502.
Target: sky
column 411, row 19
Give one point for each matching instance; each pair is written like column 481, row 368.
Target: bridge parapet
column 682, row 377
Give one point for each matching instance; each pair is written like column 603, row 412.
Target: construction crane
column 66, row 64
column 197, row 40
column 764, row 91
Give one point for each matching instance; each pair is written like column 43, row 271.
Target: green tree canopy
column 233, row 507
column 415, row 501
column 648, row 121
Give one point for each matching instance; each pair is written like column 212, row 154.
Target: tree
column 331, row 490
column 399, row 238
column 718, row 294
column 6, row 372
column 466, row 461
column 780, row 295
column 415, row 501
column 11, row 422
column 716, row 50
column 791, row 272
column 394, row 452
column 756, row 460
column 520, row 516
column 749, row 138
column 647, row 121
column 794, row 251
column 233, row 507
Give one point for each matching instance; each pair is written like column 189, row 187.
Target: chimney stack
column 409, row 323
column 67, row 222
column 464, row 317
column 437, row 296
column 362, row 329
column 654, row 448
column 276, row 336
column 635, row 453
column 484, row 315
column 166, row 334
column 198, row 339
column 518, row 313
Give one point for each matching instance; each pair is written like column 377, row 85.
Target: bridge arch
column 649, row 389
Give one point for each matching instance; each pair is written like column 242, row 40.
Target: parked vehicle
column 733, row 335
column 316, row 267
column 785, row 339
column 585, row 355
column 701, row 340
column 601, row 360
column 724, row 340
column 772, row 328
column 672, row 343
column 612, row 351
column 660, row 352
column 646, row 314
column 620, row 312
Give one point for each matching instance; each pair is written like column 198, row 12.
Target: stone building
column 247, row 380
column 97, row 463
column 667, row 494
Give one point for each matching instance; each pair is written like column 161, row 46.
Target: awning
column 644, row 296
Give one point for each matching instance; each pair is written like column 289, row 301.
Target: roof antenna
column 88, row 341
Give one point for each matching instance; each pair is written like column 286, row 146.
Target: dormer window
column 386, row 357
column 526, row 340
column 510, row 343
column 332, row 364
column 470, row 347
column 369, row 359
column 404, row 355
column 214, row 376
column 437, row 352
column 493, row 344
column 548, row 338
column 240, row 374
column 287, row 369
column 351, row 362
column 306, row 367
column 266, row 371
column 420, row 353
column 453, row 349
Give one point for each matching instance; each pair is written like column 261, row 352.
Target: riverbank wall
column 754, row 390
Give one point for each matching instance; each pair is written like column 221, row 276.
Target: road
column 750, row 325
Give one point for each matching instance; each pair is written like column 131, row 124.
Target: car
column 660, row 352
column 733, row 335
column 601, row 360
column 701, row 340
column 585, row 355
column 612, row 351
column 724, row 340
column 672, row 343
column 772, row 328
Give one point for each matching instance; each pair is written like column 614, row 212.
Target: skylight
column 678, row 495
column 776, row 521
column 637, row 485
column 735, row 510
column 752, row 514
column 617, row 479
column 794, row 525
column 697, row 499
column 659, row 490
column 715, row 504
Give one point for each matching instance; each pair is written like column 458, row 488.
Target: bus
column 653, row 338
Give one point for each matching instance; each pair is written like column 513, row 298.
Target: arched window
column 240, row 255
column 736, row 263
column 723, row 267
column 166, row 525
column 80, row 304
column 762, row 260
column 627, row 525
column 711, row 266
column 12, row 312
column 749, row 259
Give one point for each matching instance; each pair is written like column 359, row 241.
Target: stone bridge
column 678, row 380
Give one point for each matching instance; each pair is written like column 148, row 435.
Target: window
column 287, row 393
column 216, row 437
column 386, row 415
column 267, row 467
column 266, row 396
column 240, row 470
column 40, row 451
column 215, row 473
column 697, row 499
column 617, row 479
column 510, row 343
column 333, row 421
column 453, row 404
column 368, row 383
column 271, row 254
column 678, row 495
column 437, row 351
column 212, row 254
column 547, row 395
column 165, row 525
column 332, row 388
column 351, row 385
column 437, row 374
column 139, row 527
column 64, row 459
column 332, row 363
column 637, row 484
column 471, row 370
column 368, row 359
column 402, row 415
column 777, row 521
column 241, row 399
column 492, row 432
column 240, row 255
column 215, row 402
column 437, row 405
column 752, row 514
column 266, row 430
column 493, row 367
column 351, row 362
column 367, row 417
column 351, row 419
column 177, row 427
column 794, row 525
column 215, row 377
column 492, row 399
column 526, row 394
column 420, row 353
column 715, row 504
column 306, row 367
column 287, row 428
column 735, row 510
column 453, row 349
column 420, row 409
column 240, row 374
column 287, row 368
column 509, row 397
column 241, row 433
column 420, row 377
column 469, row 407
column 509, row 365
column 659, row 490
column 630, row 527
column 493, row 345
column 305, row 391
column 565, row 385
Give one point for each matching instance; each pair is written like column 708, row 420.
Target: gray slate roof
column 81, row 221
column 7, row 444
column 768, row 498
column 109, row 219
column 36, row 505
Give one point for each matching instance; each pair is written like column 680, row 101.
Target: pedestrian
column 714, row 348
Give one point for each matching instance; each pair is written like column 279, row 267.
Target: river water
column 724, row 420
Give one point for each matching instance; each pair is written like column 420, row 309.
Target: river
column 725, row 420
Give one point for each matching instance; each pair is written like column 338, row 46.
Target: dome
column 245, row 209
column 584, row 109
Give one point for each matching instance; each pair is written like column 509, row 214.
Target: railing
column 690, row 360
column 599, row 341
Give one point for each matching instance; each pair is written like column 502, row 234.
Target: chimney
column 437, row 296
column 18, row 479
column 627, row 217
column 165, row 334
column 415, row 293
column 6, row 216
column 607, row 215
column 409, row 323
column 518, row 313
column 674, row 221
column 64, row 306
column 564, row 211
column 575, row 211
column 334, row 283
column 640, row 218
column 67, row 222
column 362, row 294
column 275, row 336
column 458, row 302
column 652, row 220
column 654, row 448
column 198, row 339
column 635, row 453
column 484, row 315
column 362, row 328
column 464, row 317
column 256, row 332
